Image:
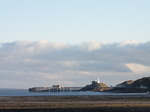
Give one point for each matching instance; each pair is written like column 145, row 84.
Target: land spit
column 98, row 103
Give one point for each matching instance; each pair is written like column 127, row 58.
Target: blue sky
column 73, row 21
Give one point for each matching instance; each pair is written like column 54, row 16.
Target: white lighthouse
column 98, row 81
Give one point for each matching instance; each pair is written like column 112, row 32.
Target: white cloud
column 39, row 63
column 131, row 42
column 91, row 45
column 138, row 68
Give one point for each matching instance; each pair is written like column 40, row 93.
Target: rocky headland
column 137, row 86
column 95, row 86
column 130, row 86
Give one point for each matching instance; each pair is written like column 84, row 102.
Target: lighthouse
column 98, row 81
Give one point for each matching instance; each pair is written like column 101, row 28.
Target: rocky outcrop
column 143, row 83
column 125, row 84
column 95, row 87
column 139, row 85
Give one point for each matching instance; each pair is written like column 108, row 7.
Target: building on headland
column 96, row 86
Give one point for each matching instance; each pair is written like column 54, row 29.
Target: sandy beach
column 129, row 103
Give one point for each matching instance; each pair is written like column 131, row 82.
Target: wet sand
column 75, row 103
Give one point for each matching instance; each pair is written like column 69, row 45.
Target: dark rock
column 137, row 86
column 125, row 84
column 142, row 83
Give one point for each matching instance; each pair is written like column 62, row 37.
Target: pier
column 65, row 89
column 55, row 89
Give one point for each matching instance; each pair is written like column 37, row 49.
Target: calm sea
column 19, row 92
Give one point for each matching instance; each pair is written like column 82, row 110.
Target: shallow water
column 19, row 92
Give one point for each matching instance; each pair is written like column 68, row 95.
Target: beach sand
column 114, row 103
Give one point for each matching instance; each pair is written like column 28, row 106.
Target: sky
column 73, row 42
column 74, row 21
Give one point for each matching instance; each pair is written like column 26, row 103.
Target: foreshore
column 96, row 103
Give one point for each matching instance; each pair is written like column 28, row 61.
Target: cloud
column 138, row 68
column 92, row 45
column 125, row 43
column 41, row 63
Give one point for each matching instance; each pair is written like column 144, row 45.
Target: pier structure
column 65, row 89
column 55, row 89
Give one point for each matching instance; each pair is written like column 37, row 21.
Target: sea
column 25, row 92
